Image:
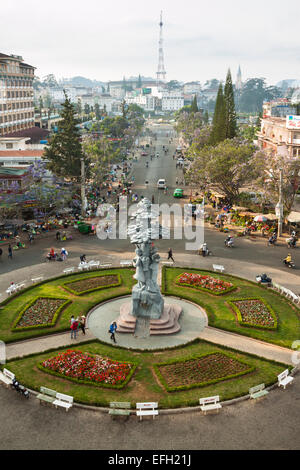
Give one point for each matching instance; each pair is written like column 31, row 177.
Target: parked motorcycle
column 20, row 388
column 264, row 279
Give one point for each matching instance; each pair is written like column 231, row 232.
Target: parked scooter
column 264, row 279
column 20, row 388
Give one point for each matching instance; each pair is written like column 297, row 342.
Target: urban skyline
column 102, row 45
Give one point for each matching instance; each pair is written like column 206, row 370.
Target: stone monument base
column 165, row 325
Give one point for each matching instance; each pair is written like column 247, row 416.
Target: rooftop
column 34, row 133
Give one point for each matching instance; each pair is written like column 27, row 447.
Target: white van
column 161, row 184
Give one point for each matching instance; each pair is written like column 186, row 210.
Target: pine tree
column 194, row 106
column 218, row 133
column 64, row 151
column 230, row 114
column 206, row 117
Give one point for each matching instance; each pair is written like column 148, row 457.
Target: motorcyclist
column 292, row 241
column 229, row 240
column 288, row 259
column 147, row 164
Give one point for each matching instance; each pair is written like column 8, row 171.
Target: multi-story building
column 281, row 135
column 16, row 94
column 192, row 88
column 172, row 100
column 144, row 100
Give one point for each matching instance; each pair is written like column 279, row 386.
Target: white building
column 192, row 88
column 145, row 101
column 172, row 100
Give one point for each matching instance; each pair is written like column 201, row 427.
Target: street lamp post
column 83, row 199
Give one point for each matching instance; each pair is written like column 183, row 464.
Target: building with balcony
column 16, row 94
column 281, row 135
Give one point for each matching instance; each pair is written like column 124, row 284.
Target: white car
column 161, row 184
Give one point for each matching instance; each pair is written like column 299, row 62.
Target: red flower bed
column 86, row 367
column 204, row 282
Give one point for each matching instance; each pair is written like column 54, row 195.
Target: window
column 9, row 145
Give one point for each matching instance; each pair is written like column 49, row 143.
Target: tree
column 194, row 105
column 206, row 117
column 101, row 154
column 97, row 111
column 218, row 133
column 50, row 81
column 230, row 114
column 64, row 152
column 227, row 167
column 268, row 166
column 254, row 93
column 87, row 109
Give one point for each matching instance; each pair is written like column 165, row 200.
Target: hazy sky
column 106, row 40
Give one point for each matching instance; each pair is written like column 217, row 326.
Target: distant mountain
column 81, row 82
column 288, row 83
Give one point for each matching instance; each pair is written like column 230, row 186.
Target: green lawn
column 144, row 385
column 221, row 315
column 80, row 304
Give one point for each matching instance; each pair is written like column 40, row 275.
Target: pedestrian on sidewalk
column 74, row 327
column 9, row 251
column 82, row 324
column 170, row 255
column 112, row 330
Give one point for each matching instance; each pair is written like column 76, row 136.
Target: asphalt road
column 251, row 250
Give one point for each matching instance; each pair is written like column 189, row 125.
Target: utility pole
column 83, row 199
column 279, row 206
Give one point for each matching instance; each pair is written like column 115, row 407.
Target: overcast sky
column 107, row 39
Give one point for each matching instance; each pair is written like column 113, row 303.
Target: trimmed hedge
column 94, row 288
column 41, row 325
column 200, row 384
column 251, row 325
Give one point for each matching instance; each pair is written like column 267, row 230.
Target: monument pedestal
column 165, row 325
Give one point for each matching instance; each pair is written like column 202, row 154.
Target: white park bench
column 11, row 289
column 94, row 264
column 147, row 409
column 7, row 377
column 83, row 266
column 119, row 408
column 20, row 286
column 64, row 401
column 258, row 391
column 284, row 378
column 46, row 395
column 167, row 263
column 37, row 279
column 125, row 263
column 218, row 267
column 107, row 265
column 210, row 403
column 69, row 270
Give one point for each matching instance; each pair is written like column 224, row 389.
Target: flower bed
column 204, row 282
column 42, row 312
column 89, row 369
column 200, row 371
column 255, row 313
column 90, row 284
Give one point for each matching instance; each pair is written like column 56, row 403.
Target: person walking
column 74, row 327
column 112, row 330
column 9, row 251
column 170, row 255
column 82, row 324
